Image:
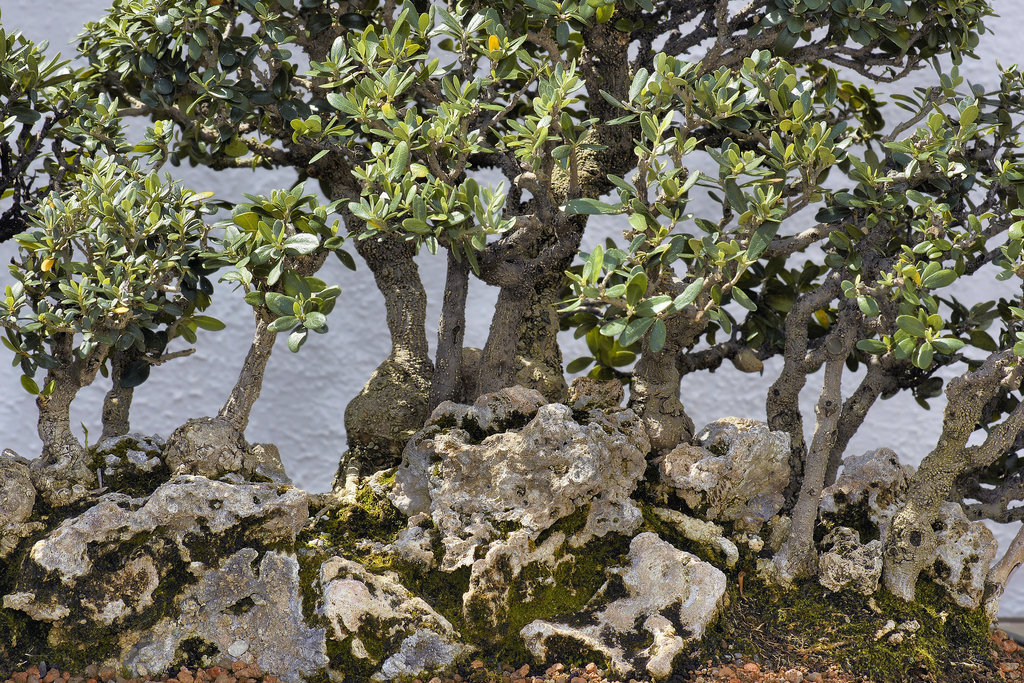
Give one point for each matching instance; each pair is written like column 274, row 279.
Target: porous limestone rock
column 705, row 533
column 364, row 609
column 964, row 554
column 212, row 447
column 736, row 472
column 496, row 475
column 241, row 611
column 849, row 564
column 17, row 499
column 126, row 562
column 672, row 594
column 592, row 394
column 870, row 489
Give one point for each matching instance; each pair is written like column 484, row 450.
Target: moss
column 127, row 478
column 854, row 517
column 193, row 653
column 816, row 627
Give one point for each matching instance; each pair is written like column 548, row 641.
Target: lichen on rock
column 672, row 594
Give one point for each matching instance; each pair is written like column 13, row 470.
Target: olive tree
column 830, row 230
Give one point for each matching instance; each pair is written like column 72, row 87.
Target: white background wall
column 304, row 394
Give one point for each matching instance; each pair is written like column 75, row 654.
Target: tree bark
column 451, row 330
column 911, row 543
column 797, row 557
column 655, row 393
column 1000, row 573
column 395, row 402
column 118, row 401
column 247, row 388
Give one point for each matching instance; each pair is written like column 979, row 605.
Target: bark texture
column 911, row 543
column 117, row 403
column 396, row 400
column 243, row 395
column 448, row 371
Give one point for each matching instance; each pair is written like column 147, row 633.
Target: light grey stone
column 964, row 554
column 235, row 606
column 672, row 593
column 17, row 500
column 736, row 472
column 699, row 531
column 377, row 608
column 849, row 564
column 871, row 487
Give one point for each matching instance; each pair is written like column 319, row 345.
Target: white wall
column 305, row 394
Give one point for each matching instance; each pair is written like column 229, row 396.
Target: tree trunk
column 655, row 394
column 538, row 359
column 1000, row 573
column 911, row 544
column 243, row 396
column 876, row 381
column 797, row 558
column 446, row 385
column 118, row 401
column 498, row 357
column 395, row 402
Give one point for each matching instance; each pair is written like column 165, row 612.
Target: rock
column 127, row 565
column 849, row 564
column 964, row 554
column 736, row 473
column 247, row 604
column 707, row 534
column 212, row 447
column 375, row 613
column 17, row 500
column 496, row 475
column 869, row 491
column 671, row 593
column 587, row 394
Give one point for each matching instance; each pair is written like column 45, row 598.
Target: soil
column 1006, row 654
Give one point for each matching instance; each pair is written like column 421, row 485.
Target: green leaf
column 639, row 81
column 346, row 258
column 923, row 356
column 742, row 299
column 254, row 298
column 283, row 323
column 236, row 148
column 579, row 364
column 947, row 344
column 135, row 373
column 968, row 115
column 689, row 294
column 635, row 330
column 301, row 244
column 867, row 305
column 400, row 160
column 613, row 328
column 657, row 339
column 30, row 385
column 296, row 339
column 941, row 278
column 585, row 205
column 280, row 304
column 208, row 323
column 872, row 346
column 761, row 238
column 911, row 325
column 342, row 103
column 315, row 321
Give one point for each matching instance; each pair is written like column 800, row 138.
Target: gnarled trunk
column 247, row 388
column 396, row 400
column 118, row 401
column 448, row 371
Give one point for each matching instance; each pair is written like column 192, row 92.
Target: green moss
column 853, row 516
column 127, row 478
column 817, row 627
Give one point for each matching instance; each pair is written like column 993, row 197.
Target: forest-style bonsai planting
column 770, row 204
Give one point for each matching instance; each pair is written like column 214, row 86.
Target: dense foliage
column 840, row 232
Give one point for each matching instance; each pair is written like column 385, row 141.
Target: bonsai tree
column 831, row 230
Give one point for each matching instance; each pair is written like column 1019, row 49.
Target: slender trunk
column 1000, row 573
column 654, row 392
column 876, row 381
column 118, row 401
column 243, row 396
column 783, row 402
column 797, row 557
column 451, row 329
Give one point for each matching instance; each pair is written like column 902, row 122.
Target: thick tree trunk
column 448, row 371
column 243, row 396
column 497, row 361
column 118, row 401
column 395, row 402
